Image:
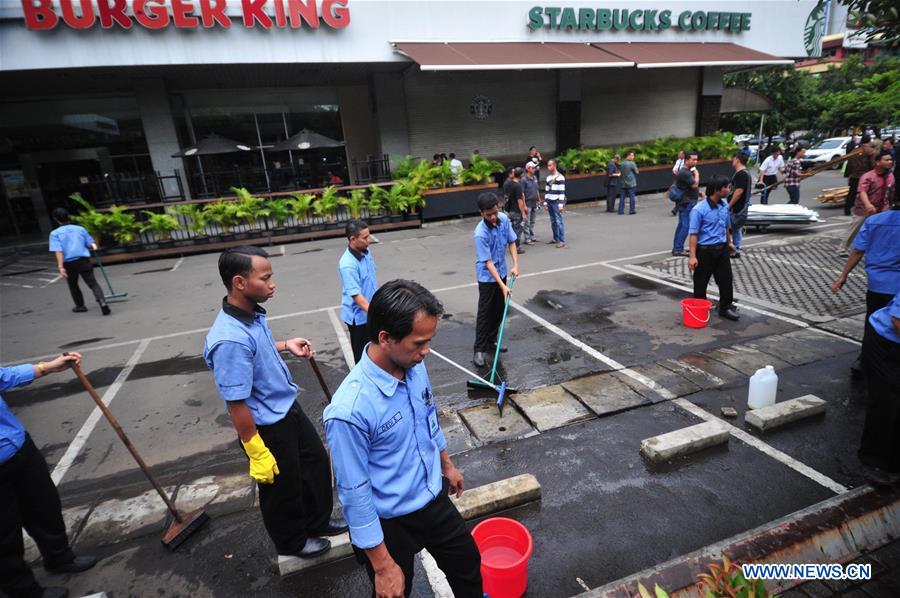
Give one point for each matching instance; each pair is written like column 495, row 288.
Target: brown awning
column 649, row 55
column 478, row 56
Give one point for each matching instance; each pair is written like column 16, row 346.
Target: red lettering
column 336, row 13
column 306, row 10
column 116, row 13
column 280, row 17
column 87, row 18
column 253, row 11
column 211, row 14
column 182, row 14
column 150, row 16
column 39, row 16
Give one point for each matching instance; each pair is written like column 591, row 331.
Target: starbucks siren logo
column 481, row 107
column 812, row 33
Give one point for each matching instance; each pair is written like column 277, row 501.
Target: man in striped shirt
column 555, row 200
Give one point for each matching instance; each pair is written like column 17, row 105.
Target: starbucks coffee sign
column 625, row 19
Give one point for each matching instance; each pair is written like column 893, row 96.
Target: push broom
column 184, row 524
column 111, row 294
column 501, row 388
column 479, row 382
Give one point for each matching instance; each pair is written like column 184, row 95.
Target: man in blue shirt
column 358, row 283
column 391, row 463
column 711, row 246
column 28, row 498
column 494, row 235
column 879, row 450
column 72, row 244
column 879, row 241
column 287, row 458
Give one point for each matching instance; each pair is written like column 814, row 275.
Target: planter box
column 454, row 201
column 583, row 187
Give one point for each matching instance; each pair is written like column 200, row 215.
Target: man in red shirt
column 874, row 194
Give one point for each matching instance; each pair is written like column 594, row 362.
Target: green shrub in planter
column 89, row 218
column 299, row 205
column 355, row 203
column 400, row 197
column 122, row 225
column 480, row 170
column 248, row 207
column 195, row 217
column 327, row 204
column 221, row 213
column 404, row 166
column 162, row 225
column 279, row 211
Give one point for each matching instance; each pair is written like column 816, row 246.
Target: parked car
column 825, row 151
column 740, row 139
column 754, row 144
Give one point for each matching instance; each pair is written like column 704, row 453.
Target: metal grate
column 795, row 274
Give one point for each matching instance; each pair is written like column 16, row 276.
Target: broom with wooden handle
column 184, row 524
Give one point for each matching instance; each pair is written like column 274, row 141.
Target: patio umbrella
column 305, row 140
column 212, row 144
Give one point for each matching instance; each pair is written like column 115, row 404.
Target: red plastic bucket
column 695, row 312
column 505, row 546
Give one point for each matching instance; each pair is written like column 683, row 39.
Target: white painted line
column 282, row 250
column 68, row 458
column 459, row 367
column 761, row 446
column 439, row 584
column 177, row 264
column 343, row 337
column 21, row 286
column 58, row 276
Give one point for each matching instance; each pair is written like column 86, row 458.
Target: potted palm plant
column 196, row 220
column 299, row 205
column 221, row 213
column 326, row 206
column 249, row 209
column 376, row 205
column 161, row 225
column 355, row 202
column 93, row 221
column 124, row 228
column 279, row 211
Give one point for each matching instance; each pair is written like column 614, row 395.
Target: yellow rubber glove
column 263, row 467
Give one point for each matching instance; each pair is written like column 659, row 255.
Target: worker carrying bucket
column 711, row 248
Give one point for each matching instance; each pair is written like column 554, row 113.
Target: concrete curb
column 474, row 503
column 837, row 530
column 779, row 414
column 685, row 441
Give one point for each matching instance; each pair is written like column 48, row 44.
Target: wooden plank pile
column 833, row 195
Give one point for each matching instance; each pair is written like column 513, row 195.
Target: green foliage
column 404, row 166
column 299, row 205
column 658, row 592
column 355, row 203
column 222, row 213
column 376, row 201
column 401, row 196
column 880, row 19
column 278, row 210
column 195, row 216
column 427, row 176
column 327, row 203
column 728, row 579
column 247, row 207
column 122, row 225
column 585, row 161
column 873, row 100
column 163, row 225
column 659, row 151
column 89, row 218
column 480, row 170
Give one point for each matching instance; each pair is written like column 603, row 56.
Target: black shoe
column 77, row 565
column 55, row 592
column 478, row 359
column 519, row 250
column 335, row 527
column 503, row 348
column 105, row 309
column 78, row 310
column 681, row 253
column 730, row 314
column 313, row 548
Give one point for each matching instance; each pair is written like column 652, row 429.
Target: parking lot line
column 177, row 264
column 343, row 338
column 68, row 458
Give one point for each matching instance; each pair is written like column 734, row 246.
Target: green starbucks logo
column 812, row 32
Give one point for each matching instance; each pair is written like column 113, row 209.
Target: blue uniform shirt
column 357, row 271
column 12, row 432
column 386, row 456
column 710, row 224
column 241, row 353
column 879, row 237
column 881, row 320
column 490, row 244
column 72, row 240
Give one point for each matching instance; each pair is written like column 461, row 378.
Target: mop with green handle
column 493, row 385
column 112, row 294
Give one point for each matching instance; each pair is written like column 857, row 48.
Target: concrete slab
column 712, row 368
column 672, row 381
column 115, row 520
column 802, row 346
column 744, row 359
column 685, row 441
column 701, row 378
column 219, row 495
column 487, row 425
column 458, row 437
column 341, row 548
column 852, row 327
column 779, row 414
column 551, row 407
column 605, row 394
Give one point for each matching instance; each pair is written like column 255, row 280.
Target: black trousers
column 714, row 261
column 299, row 502
column 880, row 445
column 358, row 339
column 490, row 312
column 28, row 499
column 85, row 269
column 851, row 195
column 875, row 301
column 612, row 192
column 439, row 528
